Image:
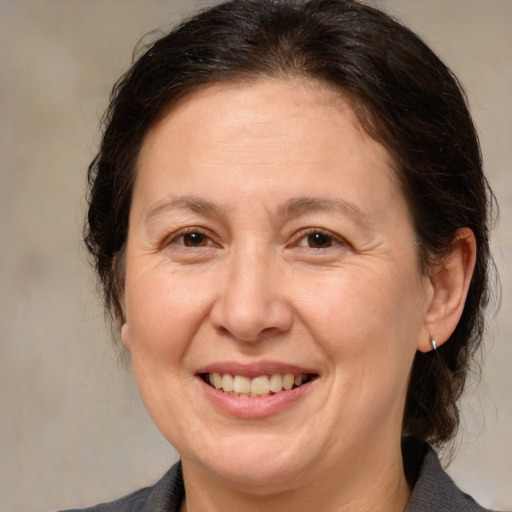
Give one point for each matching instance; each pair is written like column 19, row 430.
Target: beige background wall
column 72, row 430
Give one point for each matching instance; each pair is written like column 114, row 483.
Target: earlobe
column 125, row 336
column 450, row 282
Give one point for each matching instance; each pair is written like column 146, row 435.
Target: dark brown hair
column 404, row 97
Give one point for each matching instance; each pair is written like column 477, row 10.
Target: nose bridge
column 251, row 304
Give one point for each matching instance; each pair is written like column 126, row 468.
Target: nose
column 251, row 303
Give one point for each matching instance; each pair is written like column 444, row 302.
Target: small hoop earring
column 433, row 342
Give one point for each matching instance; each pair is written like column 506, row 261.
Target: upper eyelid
column 295, row 238
column 301, row 234
column 176, row 235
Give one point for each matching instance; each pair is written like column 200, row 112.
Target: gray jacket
column 434, row 490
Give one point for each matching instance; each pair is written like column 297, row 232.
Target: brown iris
column 195, row 240
column 319, row 240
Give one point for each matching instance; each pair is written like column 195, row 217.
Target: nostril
column 251, row 323
column 249, row 304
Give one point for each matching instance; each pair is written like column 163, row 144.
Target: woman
column 290, row 221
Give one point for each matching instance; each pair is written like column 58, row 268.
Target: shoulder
column 130, row 503
column 434, row 490
column 165, row 496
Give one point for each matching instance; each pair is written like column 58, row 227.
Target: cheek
column 163, row 312
column 367, row 331
column 364, row 315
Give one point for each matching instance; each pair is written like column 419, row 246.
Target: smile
column 257, row 387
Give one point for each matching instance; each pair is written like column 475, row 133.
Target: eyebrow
column 302, row 205
column 195, row 204
column 292, row 208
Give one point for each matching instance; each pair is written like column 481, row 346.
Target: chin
column 261, row 466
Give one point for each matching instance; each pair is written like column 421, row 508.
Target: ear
column 125, row 336
column 450, row 282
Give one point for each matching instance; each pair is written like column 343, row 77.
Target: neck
column 369, row 482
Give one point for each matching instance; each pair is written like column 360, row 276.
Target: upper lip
column 256, row 369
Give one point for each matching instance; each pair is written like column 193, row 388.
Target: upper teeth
column 258, row 386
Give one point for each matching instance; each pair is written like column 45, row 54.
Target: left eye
column 318, row 240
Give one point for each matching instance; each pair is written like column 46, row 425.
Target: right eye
column 190, row 245
column 193, row 239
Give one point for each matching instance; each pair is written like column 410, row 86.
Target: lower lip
column 254, row 408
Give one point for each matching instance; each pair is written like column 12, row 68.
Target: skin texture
column 268, row 170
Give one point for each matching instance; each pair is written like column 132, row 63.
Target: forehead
column 260, row 135
column 258, row 111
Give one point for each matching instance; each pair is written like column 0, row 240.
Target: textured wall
column 72, row 429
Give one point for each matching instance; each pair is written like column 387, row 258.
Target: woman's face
column 269, row 244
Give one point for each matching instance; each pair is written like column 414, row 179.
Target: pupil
column 319, row 240
column 194, row 239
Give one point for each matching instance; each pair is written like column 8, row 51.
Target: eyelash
column 303, row 236
column 301, row 239
column 179, row 238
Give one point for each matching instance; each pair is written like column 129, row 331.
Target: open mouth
column 257, row 387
